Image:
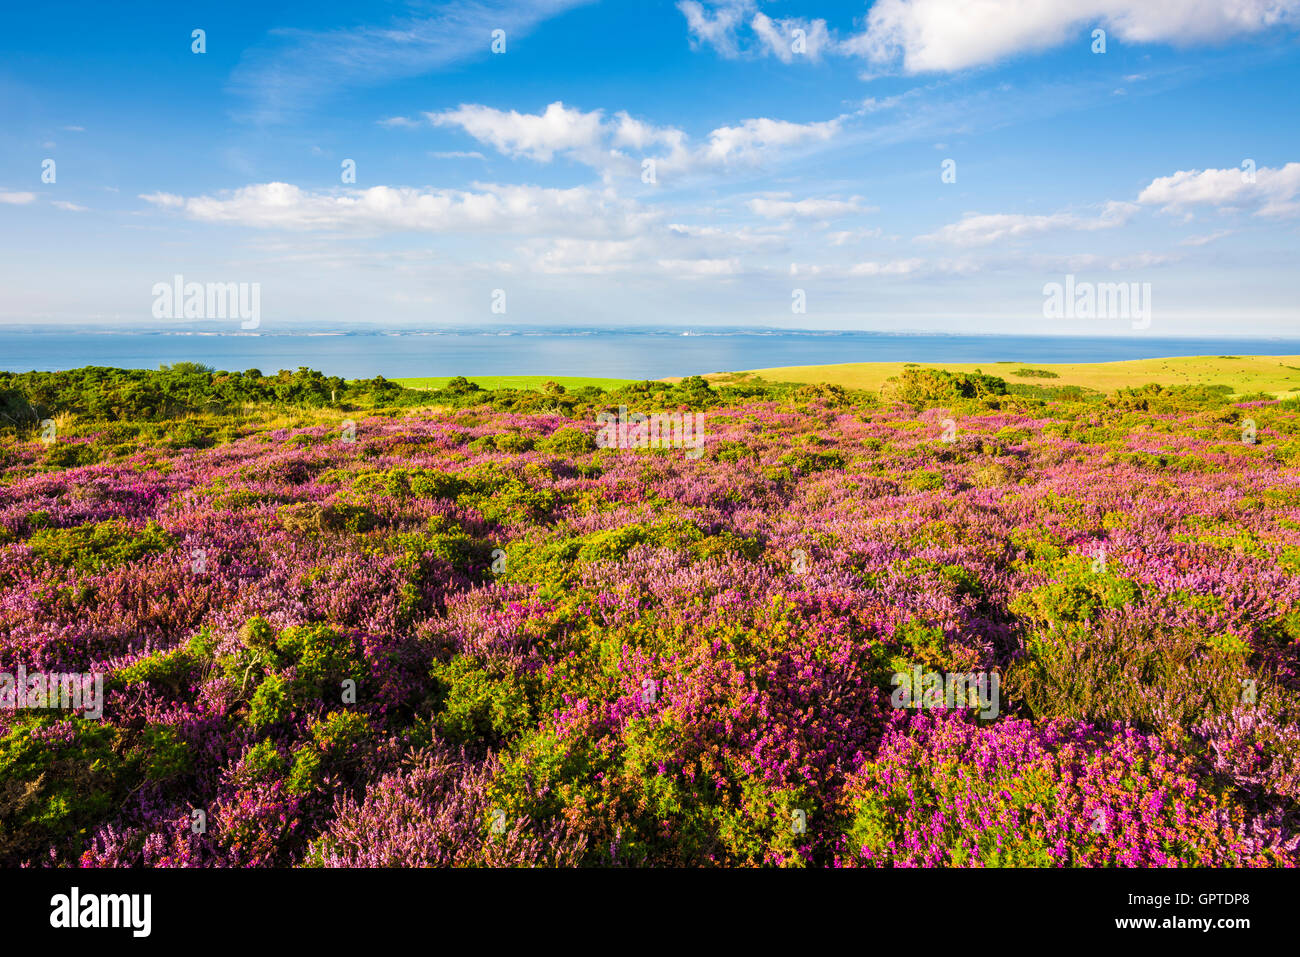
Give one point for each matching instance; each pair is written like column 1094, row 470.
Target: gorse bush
column 930, row 387
column 96, row 545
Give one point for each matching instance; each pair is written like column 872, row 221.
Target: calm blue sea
column 614, row 354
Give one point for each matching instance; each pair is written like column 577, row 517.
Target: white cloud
column 637, row 135
column 844, row 237
column 896, row 267
column 163, row 199
column 488, row 209
column 782, row 208
column 945, row 35
column 595, row 141
column 701, row 267
column 983, row 229
column 1078, row 262
column 676, row 248
column 17, row 199
column 69, row 207
column 720, row 26
column 1273, row 192
column 717, row 28
column 778, row 37
column 538, row 136
column 753, row 137
column 1207, row 239
column 888, row 269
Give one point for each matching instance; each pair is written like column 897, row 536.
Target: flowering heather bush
column 469, row 636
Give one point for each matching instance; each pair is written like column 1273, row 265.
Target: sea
column 643, row 354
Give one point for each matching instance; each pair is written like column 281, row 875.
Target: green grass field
column 530, row 382
column 1279, row 375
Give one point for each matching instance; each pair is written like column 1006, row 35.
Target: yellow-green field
column 530, row 382
column 1279, row 375
column 1246, row 374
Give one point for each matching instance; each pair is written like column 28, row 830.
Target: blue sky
column 656, row 163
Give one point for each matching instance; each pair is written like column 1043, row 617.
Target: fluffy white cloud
column 1269, row 192
column 634, row 134
column 754, row 137
column 598, row 142
column 17, row 199
column 983, row 229
column 539, row 136
column 943, row 35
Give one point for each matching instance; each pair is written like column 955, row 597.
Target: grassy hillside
column 1245, row 374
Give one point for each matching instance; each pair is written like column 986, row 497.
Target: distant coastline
column 629, row 354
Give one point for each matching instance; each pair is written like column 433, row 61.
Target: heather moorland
column 354, row 623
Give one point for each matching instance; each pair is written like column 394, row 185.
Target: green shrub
column 479, row 705
column 926, row 388
column 568, row 442
column 52, row 789
column 923, row 480
column 98, row 545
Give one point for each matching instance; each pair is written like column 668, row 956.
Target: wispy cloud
column 1205, row 240
column 817, row 208
column 488, row 208
column 297, row 69
column 976, row 229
